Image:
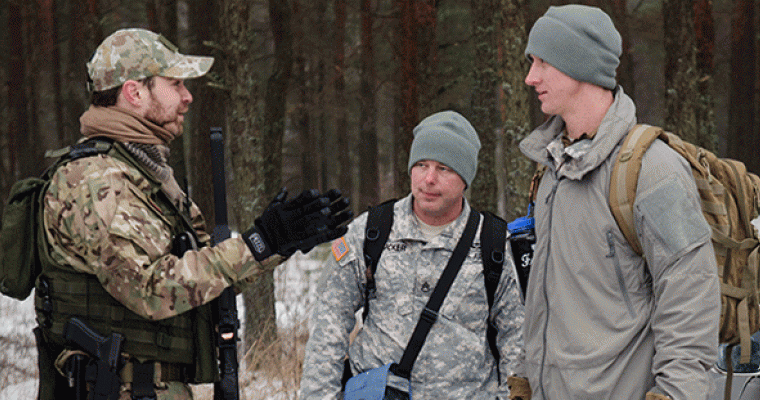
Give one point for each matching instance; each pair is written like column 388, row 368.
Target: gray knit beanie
column 580, row 41
column 447, row 137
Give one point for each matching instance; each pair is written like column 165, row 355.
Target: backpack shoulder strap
column 493, row 238
column 379, row 223
column 625, row 177
column 90, row 147
column 430, row 312
column 537, row 175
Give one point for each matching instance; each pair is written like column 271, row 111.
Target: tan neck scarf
column 144, row 139
column 122, row 125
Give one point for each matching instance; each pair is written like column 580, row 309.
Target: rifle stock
column 226, row 307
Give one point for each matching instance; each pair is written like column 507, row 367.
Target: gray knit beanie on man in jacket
column 450, row 139
column 580, row 41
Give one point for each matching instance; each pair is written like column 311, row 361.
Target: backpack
column 492, row 242
column 729, row 198
column 20, row 226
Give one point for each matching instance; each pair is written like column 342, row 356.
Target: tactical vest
column 62, row 292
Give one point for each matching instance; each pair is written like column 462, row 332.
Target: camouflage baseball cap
column 134, row 54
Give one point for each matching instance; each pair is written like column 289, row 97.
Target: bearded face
column 169, row 100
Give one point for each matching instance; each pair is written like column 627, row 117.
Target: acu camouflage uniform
column 455, row 362
column 109, row 228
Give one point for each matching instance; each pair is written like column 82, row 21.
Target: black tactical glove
column 298, row 224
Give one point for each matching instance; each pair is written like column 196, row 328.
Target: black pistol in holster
column 99, row 373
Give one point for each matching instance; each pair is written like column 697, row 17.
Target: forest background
column 325, row 93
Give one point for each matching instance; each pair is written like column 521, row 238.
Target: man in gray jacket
column 601, row 321
column 455, row 361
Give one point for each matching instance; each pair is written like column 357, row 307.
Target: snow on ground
column 295, row 288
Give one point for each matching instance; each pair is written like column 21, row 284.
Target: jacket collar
column 544, row 144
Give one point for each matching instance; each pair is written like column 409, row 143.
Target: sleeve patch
column 339, row 248
column 674, row 215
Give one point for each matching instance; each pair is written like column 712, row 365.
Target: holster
column 52, row 384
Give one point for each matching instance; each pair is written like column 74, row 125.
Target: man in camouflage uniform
column 111, row 219
column 455, row 361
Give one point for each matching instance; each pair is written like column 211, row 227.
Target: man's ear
column 133, row 93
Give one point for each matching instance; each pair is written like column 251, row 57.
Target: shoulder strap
column 379, row 223
column 493, row 237
column 625, row 177
column 537, row 175
column 430, row 312
column 88, row 148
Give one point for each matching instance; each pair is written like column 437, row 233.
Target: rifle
column 226, row 307
column 103, row 374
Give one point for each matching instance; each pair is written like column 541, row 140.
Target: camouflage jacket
column 455, row 361
column 99, row 219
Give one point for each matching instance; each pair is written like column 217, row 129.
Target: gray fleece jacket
column 600, row 321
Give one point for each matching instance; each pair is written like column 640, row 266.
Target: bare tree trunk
column 341, row 112
column 31, row 150
column 259, row 298
column 319, row 133
column 743, row 140
column 301, row 121
column 485, row 112
column 368, row 158
column 16, row 96
column 237, row 39
column 409, row 92
column 307, row 176
column 680, row 69
column 12, row 100
column 207, row 110
column 516, row 108
column 49, row 49
column 619, row 13
column 704, row 31
column 426, row 15
column 85, row 35
column 162, row 18
column 321, row 126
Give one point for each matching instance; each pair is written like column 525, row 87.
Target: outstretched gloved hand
column 298, row 224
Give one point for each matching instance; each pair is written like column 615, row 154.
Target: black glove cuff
column 259, row 246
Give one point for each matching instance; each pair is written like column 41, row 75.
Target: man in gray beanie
column 456, row 361
column 603, row 322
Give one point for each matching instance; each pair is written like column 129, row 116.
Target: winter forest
column 325, row 94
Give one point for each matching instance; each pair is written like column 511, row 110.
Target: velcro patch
column 339, row 248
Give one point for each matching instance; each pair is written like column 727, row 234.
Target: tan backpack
column 729, row 197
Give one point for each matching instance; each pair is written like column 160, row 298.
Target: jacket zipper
column 545, row 340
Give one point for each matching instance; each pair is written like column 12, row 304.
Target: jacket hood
column 544, row 144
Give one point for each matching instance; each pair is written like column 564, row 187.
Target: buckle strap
column 134, row 371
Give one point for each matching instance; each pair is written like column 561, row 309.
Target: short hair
column 108, row 97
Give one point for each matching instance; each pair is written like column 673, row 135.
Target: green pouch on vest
column 19, row 261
